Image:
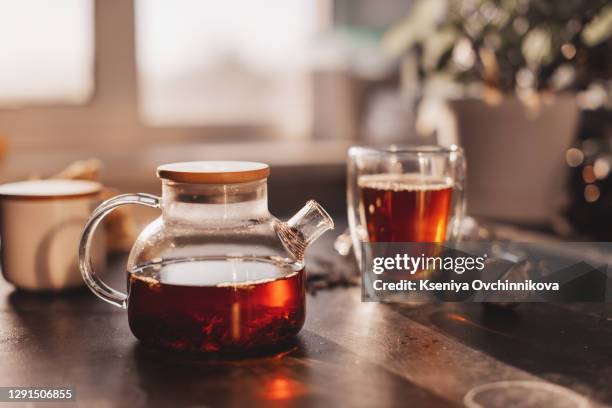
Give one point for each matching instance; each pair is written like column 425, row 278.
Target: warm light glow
column 588, row 175
column 458, row 318
column 279, row 293
column 601, row 168
column 46, row 51
column 219, row 62
column 591, row 193
column 236, row 321
column 525, row 78
column 463, row 54
column 568, row 51
column 283, row 388
column 574, row 157
column 592, row 98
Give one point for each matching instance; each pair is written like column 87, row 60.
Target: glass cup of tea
column 405, row 194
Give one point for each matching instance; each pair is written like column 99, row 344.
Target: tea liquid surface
column 216, row 305
column 405, row 207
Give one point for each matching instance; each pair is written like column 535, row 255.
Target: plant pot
column 516, row 161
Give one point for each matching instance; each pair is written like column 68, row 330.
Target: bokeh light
column 591, row 193
column 601, row 168
column 574, row 157
column 588, row 174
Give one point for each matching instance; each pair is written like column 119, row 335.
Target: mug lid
column 49, row 189
column 214, row 172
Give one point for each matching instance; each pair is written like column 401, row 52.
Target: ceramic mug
column 40, row 228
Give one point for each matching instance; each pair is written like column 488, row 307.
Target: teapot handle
column 97, row 286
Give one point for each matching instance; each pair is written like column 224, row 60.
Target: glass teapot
column 216, row 271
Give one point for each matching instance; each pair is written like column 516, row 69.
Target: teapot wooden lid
column 214, row 172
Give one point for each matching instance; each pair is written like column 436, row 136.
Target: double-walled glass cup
column 405, row 194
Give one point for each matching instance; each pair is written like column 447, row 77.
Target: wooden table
column 349, row 354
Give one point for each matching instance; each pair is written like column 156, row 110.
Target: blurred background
column 524, row 86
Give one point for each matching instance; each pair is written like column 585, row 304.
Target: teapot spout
column 304, row 228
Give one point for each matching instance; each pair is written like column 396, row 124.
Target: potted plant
column 509, row 71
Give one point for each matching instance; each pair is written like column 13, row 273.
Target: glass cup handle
column 97, row 286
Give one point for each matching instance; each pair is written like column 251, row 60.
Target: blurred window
column 46, row 51
column 231, row 62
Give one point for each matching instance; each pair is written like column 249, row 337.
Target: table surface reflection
column 349, row 353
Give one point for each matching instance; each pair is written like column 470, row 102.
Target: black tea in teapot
column 191, row 305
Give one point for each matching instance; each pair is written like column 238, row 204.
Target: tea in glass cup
column 410, row 194
column 405, row 207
